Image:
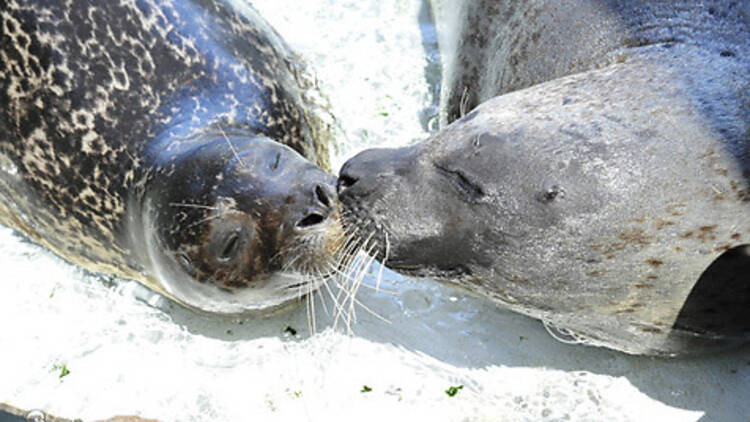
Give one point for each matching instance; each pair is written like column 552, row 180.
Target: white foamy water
column 131, row 352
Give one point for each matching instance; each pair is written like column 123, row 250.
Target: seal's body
column 164, row 141
column 606, row 192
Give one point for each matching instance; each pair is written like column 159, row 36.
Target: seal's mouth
column 319, row 252
column 374, row 237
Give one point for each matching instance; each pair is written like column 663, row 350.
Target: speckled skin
column 606, row 192
column 134, row 134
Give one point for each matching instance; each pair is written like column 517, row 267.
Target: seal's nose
column 346, row 179
column 350, row 173
column 362, row 174
column 321, row 208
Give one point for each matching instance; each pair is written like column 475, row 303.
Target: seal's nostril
column 345, row 181
column 322, row 196
column 311, row 220
column 230, row 247
column 185, row 261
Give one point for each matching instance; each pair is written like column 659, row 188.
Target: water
column 129, row 351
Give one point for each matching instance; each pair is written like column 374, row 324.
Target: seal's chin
column 277, row 292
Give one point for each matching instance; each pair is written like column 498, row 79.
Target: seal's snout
column 360, row 174
column 321, row 209
column 349, row 175
column 345, row 182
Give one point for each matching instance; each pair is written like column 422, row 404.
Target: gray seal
column 601, row 183
column 170, row 142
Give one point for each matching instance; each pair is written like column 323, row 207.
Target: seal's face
column 465, row 200
column 237, row 224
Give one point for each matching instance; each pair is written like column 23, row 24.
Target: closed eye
column 275, row 163
column 467, row 189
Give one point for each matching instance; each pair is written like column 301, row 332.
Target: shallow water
column 129, row 351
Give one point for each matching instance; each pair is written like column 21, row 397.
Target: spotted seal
column 166, row 142
column 601, row 183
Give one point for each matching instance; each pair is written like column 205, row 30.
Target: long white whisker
column 360, row 271
column 336, row 304
column 234, row 151
column 203, row 220
column 385, row 259
column 205, row 207
column 311, row 302
column 320, row 293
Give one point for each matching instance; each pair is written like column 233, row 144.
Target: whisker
column 320, row 293
column 385, row 259
column 349, row 277
column 336, row 303
column 203, row 220
column 348, row 292
column 369, row 310
column 360, row 270
column 310, row 309
column 234, row 151
column 199, row 206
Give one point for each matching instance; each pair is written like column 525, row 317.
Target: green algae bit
column 453, row 390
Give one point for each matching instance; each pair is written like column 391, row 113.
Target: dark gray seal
column 606, row 190
column 166, row 141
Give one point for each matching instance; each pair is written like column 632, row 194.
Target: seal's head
column 236, row 223
column 465, row 201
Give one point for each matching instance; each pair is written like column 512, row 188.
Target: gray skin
column 167, row 142
column 604, row 191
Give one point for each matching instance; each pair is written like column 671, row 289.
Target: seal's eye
column 275, row 162
column 230, row 248
column 185, row 261
column 467, row 188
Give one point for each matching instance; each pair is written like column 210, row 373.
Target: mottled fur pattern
column 91, row 93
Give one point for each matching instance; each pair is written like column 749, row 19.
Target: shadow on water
column 426, row 317
column 289, row 323
column 466, row 331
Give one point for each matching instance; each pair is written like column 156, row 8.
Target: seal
column 170, row 142
column 601, row 183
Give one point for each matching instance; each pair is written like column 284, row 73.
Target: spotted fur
column 92, row 93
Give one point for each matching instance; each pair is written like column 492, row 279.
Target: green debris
column 365, row 389
column 453, row 390
column 383, row 113
column 64, row 371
